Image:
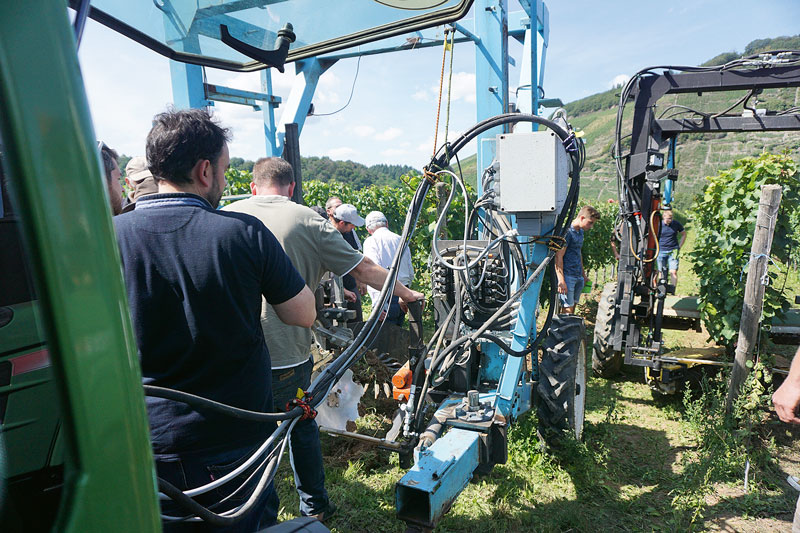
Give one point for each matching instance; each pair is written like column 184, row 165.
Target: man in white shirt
column 380, row 246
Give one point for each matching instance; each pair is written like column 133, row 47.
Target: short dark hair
column 109, row 157
column 181, row 138
column 272, row 171
column 320, row 211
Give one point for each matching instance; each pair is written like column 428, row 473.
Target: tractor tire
column 606, row 362
column 561, row 389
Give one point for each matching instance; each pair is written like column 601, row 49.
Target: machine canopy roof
column 191, row 30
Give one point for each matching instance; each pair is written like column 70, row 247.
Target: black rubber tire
column 561, row 388
column 606, row 362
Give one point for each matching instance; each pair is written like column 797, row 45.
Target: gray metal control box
column 532, row 174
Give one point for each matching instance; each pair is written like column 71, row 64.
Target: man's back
column 195, row 277
column 315, row 247
column 381, row 247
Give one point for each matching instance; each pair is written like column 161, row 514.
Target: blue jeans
column 189, row 473
column 304, row 451
column 574, row 289
column 395, row 315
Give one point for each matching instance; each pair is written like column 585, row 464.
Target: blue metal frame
column 442, row 471
column 188, row 87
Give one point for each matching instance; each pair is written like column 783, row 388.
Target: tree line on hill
column 325, row 169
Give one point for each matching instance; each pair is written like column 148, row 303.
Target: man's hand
column 350, row 296
column 362, row 288
column 416, row 296
column 562, row 286
column 585, row 278
column 786, row 400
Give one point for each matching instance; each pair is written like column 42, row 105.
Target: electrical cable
column 352, row 91
column 205, row 403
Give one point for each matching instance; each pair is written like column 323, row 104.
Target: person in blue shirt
column 670, row 240
column 569, row 261
column 195, row 277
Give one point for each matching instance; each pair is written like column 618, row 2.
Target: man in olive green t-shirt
column 315, row 247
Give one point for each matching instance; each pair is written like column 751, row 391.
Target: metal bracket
column 220, row 93
column 271, row 58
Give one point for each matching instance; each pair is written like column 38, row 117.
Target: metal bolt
column 474, row 401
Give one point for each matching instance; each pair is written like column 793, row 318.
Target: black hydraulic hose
column 209, row 516
column 505, row 347
column 205, row 403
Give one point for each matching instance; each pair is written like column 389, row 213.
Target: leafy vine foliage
column 597, row 252
column 725, row 217
column 393, row 202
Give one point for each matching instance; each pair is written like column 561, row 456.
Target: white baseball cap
column 348, row 213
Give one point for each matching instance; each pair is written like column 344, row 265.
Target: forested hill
column 699, row 155
column 354, row 174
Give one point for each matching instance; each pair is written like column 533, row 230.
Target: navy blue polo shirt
column 572, row 256
column 668, row 238
column 195, row 277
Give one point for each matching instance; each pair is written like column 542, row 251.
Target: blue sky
column 391, row 117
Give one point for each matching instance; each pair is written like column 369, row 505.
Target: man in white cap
column 345, row 219
column 140, row 180
column 380, row 246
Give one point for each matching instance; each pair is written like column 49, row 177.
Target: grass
column 642, row 466
column 673, row 464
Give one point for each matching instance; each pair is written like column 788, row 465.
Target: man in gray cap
column 140, row 180
column 380, row 246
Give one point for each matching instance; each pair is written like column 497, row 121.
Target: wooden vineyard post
column 754, row 290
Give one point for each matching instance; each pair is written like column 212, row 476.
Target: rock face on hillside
column 699, row 155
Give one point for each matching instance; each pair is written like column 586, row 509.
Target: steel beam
column 220, row 93
column 788, row 122
column 307, row 73
column 511, row 400
column 442, row 471
column 270, row 130
column 187, row 86
column 491, row 71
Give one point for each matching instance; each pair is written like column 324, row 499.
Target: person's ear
column 202, row 173
column 291, row 188
column 253, row 188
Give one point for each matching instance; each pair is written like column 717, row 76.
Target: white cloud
column 391, row 152
column 342, row 152
column 389, row 134
column 426, row 145
column 363, row 131
column 420, row 95
column 463, row 87
column 619, row 80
